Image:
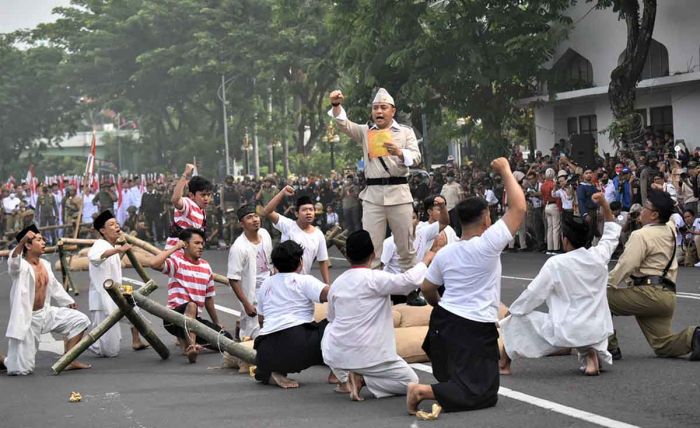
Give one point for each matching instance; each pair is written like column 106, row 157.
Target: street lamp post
column 221, row 93
column 246, row 148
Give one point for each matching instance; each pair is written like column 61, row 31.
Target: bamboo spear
column 201, row 330
column 221, row 279
column 47, row 250
column 91, row 336
column 127, row 309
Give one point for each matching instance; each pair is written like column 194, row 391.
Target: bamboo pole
column 201, row 330
column 68, row 284
column 136, row 320
column 137, row 266
column 13, row 233
column 47, row 250
column 77, row 242
column 91, row 336
column 136, row 242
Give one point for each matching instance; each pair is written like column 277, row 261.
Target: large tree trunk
column 624, row 78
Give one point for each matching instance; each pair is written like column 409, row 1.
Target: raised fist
column 500, row 166
column 336, row 97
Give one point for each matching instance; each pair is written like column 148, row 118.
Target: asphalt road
column 137, row 389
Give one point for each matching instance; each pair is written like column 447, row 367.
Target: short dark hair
column 429, row 202
column 186, row 234
column 199, row 184
column 287, row 256
column 576, row 232
column 663, row 203
column 615, row 205
column 470, row 209
column 689, row 210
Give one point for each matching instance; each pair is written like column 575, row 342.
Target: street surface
column 137, row 389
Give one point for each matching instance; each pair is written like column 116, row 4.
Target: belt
column 653, row 280
column 386, row 181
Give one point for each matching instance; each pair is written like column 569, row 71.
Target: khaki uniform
column 382, row 204
column 647, row 253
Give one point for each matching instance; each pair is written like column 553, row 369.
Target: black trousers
column 289, row 351
column 464, row 354
column 180, row 332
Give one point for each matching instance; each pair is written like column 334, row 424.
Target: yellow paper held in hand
column 375, row 142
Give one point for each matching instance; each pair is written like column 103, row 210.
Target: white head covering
column 383, row 97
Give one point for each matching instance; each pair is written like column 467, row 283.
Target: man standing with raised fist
column 389, row 149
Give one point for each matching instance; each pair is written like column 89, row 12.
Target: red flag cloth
column 119, row 192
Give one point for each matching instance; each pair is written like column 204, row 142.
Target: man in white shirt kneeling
column 290, row 340
column 359, row 343
column 574, row 287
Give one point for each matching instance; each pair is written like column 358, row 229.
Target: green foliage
column 35, row 102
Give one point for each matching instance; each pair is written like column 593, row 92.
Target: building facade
column 575, row 98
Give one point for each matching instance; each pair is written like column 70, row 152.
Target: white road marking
column 682, row 294
column 549, row 405
column 227, row 310
column 342, row 259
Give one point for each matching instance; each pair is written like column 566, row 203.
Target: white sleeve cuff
column 341, row 116
column 408, row 158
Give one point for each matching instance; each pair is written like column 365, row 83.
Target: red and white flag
column 90, row 166
column 31, row 181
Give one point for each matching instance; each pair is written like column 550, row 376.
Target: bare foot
column 592, row 365
column 342, row 388
column 413, row 398
column 191, row 354
column 504, row 364
column 333, row 379
column 283, row 381
column 77, row 365
column 139, row 346
column 356, row 383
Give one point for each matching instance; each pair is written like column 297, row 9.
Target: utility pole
column 223, row 104
column 426, row 150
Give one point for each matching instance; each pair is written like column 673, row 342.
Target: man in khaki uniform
column 389, row 149
column 649, row 265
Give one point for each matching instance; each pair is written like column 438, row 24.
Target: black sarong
column 289, row 351
column 464, row 355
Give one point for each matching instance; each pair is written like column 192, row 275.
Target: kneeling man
column 574, row 287
column 290, row 340
column 31, row 313
column 359, row 343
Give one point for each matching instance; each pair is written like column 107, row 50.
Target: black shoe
column 616, row 353
column 695, row 355
column 415, row 299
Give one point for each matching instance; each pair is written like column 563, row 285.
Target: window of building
column 571, row 126
column 641, row 117
column 656, row 64
column 588, row 124
column 572, row 71
column 661, row 118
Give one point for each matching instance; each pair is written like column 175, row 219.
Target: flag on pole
column 30, row 180
column 90, row 166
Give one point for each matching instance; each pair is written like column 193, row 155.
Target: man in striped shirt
column 189, row 210
column 190, row 288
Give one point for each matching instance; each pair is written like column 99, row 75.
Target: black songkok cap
column 662, row 202
column 245, row 210
column 24, row 231
column 358, row 245
column 101, row 219
column 304, row 200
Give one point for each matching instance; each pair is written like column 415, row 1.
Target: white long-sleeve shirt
column 573, row 285
column 361, row 329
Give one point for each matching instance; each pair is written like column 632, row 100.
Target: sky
column 17, row 14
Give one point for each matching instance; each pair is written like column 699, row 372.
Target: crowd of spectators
column 555, row 186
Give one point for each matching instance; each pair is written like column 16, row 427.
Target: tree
column 476, row 58
column 35, row 102
column 624, row 78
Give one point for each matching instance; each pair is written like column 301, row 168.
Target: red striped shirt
column 191, row 216
column 188, row 281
